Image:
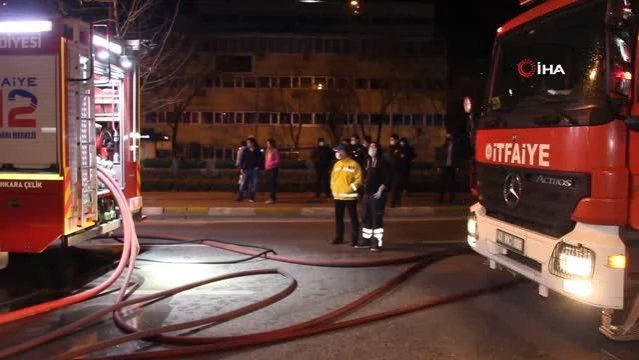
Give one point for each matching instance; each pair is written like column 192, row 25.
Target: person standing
column 322, row 157
column 358, row 151
column 272, row 166
column 238, row 158
column 346, row 179
column 378, row 180
column 250, row 166
column 366, row 142
column 395, row 157
column 407, row 155
column 447, row 163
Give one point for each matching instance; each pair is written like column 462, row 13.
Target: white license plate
column 510, row 241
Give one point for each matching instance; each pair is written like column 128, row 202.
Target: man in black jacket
column 322, row 158
column 251, row 162
column 358, row 151
column 448, row 156
column 378, row 181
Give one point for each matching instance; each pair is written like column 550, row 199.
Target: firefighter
column 346, row 179
column 378, row 181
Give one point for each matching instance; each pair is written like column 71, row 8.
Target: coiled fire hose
column 314, row 326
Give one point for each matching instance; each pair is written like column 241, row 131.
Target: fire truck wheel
column 4, row 260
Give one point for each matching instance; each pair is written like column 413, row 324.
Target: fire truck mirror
column 621, row 14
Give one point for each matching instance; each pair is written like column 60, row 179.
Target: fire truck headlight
column 125, row 62
column 471, row 226
column 27, row 26
column 572, row 262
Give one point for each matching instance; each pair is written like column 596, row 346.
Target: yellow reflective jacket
column 346, row 178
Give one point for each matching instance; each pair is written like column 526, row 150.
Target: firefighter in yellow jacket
column 346, row 179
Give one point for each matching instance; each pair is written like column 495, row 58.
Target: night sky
column 471, row 25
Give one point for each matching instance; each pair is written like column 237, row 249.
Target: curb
column 313, row 212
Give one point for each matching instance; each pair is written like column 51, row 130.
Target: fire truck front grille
column 541, row 201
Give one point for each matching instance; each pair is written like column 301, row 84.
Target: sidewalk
column 220, row 204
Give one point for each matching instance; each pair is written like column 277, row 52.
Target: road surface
column 512, row 324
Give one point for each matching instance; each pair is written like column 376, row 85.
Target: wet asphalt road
column 512, row 324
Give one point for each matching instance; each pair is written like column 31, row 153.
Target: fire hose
column 321, row 324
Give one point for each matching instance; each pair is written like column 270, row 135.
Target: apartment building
column 296, row 71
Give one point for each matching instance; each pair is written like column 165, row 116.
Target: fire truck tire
column 4, row 260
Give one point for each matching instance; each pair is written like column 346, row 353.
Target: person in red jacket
column 272, row 167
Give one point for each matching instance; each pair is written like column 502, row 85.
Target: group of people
column 251, row 160
column 353, row 171
column 361, row 172
column 400, row 156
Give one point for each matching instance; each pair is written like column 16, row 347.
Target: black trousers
column 400, row 181
column 340, row 207
column 448, row 182
column 373, row 227
column 322, row 181
column 272, row 176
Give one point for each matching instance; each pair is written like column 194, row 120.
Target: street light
column 125, row 62
column 355, row 6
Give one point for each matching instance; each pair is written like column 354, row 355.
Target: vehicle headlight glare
column 572, row 262
column 472, row 225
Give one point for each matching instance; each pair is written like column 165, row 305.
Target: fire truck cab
column 557, row 156
column 69, row 103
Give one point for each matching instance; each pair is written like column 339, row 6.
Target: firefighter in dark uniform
column 377, row 182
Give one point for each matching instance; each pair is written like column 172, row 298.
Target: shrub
column 191, row 164
column 156, row 163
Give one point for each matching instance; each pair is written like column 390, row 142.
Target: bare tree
column 171, row 73
column 403, row 84
column 339, row 102
column 293, row 102
column 173, row 86
column 152, row 22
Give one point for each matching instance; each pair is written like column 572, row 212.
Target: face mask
column 338, row 156
column 372, row 152
column 353, row 142
column 321, row 143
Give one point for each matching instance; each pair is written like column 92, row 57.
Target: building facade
column 310, row 73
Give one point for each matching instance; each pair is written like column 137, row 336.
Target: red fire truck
column 69, row 103
column 557, row 156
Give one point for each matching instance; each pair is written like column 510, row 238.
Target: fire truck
column 557, row 156
column 69, row 103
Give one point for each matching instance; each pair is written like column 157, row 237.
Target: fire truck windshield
column 552, row 71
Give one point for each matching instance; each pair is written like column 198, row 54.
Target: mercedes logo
column 513, row 187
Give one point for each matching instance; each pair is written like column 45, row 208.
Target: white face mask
column 321, row 143
column 372, row 152
column 339, row 156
